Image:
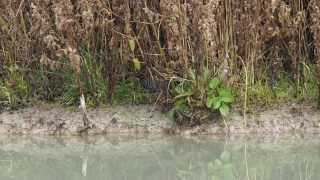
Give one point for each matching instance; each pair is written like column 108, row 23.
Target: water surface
column 159, row 158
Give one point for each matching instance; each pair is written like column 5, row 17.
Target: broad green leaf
column 132, row 45
column 136, row 64
column 227, row 99
column 216, row 103
column 209, row 103
column 214, row 83
column 225, row 92
column 224, row 110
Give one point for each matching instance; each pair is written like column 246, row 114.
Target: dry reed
column 171, row 37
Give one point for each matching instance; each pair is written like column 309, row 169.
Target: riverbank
column 147, row 119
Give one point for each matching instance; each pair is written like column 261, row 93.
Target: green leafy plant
column 219, row 97
column 201, row 93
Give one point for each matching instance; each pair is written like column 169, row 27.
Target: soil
column 146, row 119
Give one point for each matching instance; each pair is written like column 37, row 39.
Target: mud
column 146, row 119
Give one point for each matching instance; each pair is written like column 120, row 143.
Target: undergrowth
column 14, row 89
column 95, row 86
column 265, row 93
column 201, row 92
column 59, row 84
column 93, row 82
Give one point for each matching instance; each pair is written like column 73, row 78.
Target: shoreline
column 146, row 119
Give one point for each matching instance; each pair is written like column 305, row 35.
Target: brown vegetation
column 171, row 37
column 315, row 21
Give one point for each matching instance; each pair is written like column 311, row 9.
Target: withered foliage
column 315, row 27
column 171, row 36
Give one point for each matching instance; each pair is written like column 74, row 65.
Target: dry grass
column 232, row 38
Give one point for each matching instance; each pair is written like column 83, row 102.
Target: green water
column 159, row 158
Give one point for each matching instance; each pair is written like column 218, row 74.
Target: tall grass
column 62, row 49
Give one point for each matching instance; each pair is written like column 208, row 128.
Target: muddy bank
column 57, row 120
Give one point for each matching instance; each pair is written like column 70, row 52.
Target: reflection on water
column 162, row 158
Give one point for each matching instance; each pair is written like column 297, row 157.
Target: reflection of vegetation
column 173, row 158
column 254, row 162
column 221, row 168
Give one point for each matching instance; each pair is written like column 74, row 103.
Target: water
column 159, row 158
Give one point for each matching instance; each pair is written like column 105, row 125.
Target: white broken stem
column 84, row 111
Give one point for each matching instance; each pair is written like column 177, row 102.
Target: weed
column 284, row 88
column 260, row 92
column 219, row 97
column 130, row 91
column 94, row 85
column 308, row 89
column 14, row 90
column 202, row 92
